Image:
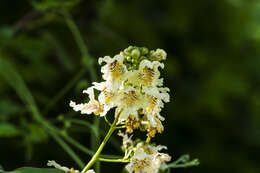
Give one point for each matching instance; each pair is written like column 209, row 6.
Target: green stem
column 112, row 140
column 183, row 162
column 98, row 152
column 121, row 127
column 114, row 160
column 95, row 140
column 105, row 117
column 88, row 61
column 121, row 123
column 81, row 44
column 81, row 147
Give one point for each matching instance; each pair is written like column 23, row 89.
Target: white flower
column 147, row 159
column 57, row 166
column 131, row 83
column 158, row 55
column 65, row 169
column 147, row 74
column 114, row 68
column 93, row 106
column 127, row 144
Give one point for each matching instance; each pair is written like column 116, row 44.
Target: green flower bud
column 130, row 48
column 129, row 58
column 135, row 53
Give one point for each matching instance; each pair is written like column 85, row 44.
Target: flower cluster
column 144, row 157
column 147, row 159
column 131, row 83
column 133, row 87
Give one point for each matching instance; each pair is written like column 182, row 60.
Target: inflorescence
column 132, row 85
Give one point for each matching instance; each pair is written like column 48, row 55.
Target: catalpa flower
column 131, row 83
column 147, row 159
column 93, row 106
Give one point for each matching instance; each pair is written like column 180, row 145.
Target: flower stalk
column 114, row 160
column 98, row 152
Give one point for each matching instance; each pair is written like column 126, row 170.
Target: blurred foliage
column 33, row 170
column 213, row 71
column 50, row 4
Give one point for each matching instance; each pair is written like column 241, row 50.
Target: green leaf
column 35, row 170
column 184, row 162
column 8, row 130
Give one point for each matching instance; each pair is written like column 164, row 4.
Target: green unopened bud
column 144, row 51
column 135, row 53
column 129, row 58
column 130, row 48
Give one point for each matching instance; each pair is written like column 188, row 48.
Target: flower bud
column 128, row 58
column 135, row 53
column 130, row 48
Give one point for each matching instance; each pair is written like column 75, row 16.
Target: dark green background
column 212, row 69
